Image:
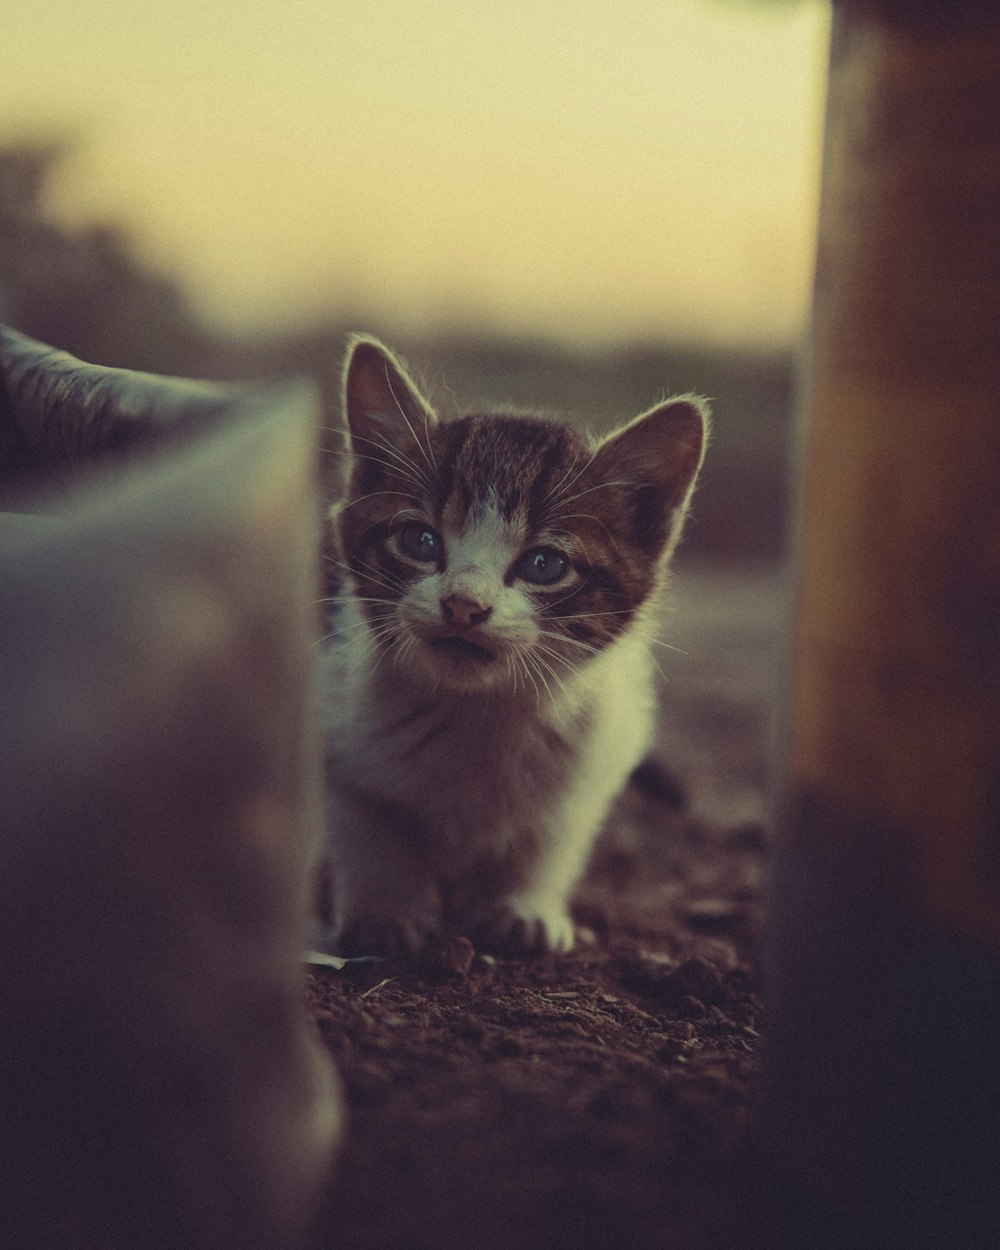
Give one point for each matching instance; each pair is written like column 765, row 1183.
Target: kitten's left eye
column 542, row 565
column 421, row 542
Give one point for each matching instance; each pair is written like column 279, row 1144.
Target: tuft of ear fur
column 656, row 457
column 380, row 400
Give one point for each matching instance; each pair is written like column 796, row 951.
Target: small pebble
column 449, row 957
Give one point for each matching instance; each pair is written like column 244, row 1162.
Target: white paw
column 522, row 925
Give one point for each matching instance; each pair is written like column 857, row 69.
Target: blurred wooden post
column 884, row 967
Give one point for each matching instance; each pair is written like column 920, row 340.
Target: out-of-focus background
column 568, row 205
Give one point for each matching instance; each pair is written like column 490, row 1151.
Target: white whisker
column 415, row 469
column 352, row 598
column 541, row 667
column 511, row 671
column 361, row 499
column 586, row 616
column 554, row 491
column 544, row 650
column 388, row 638
column 568, row 499
column 409, row 474
column 402, row 412
column 548, row 604
column 589, row 516
column 355, row 626
column 572, row 642
column 656, row 664
column 657, row 642
column 379, row 576
column 528, row 675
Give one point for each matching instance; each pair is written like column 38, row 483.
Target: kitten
column 489, row 671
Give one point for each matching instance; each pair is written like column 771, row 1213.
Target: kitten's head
column 501, row 551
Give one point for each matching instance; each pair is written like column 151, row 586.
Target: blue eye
column 542, row 566
column 420, row 542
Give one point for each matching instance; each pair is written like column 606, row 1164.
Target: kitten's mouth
column 460, row 648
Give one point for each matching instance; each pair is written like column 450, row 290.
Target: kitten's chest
column 466, row 769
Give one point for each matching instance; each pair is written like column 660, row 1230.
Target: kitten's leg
column 534, row 917
column 534, row 914
column 386, row 898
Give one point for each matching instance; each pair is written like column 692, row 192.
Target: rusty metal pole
column 884, row 965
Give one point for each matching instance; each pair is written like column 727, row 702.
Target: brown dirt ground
column 607, row 1097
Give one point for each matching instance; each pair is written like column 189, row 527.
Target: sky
column 567, row 168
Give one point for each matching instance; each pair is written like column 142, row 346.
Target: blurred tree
column 84, row 291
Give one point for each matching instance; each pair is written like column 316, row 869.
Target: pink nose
column 463, row 612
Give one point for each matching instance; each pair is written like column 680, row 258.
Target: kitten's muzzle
column 464, row 613
column 462, row 641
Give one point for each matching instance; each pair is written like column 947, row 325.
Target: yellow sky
column 569, row 167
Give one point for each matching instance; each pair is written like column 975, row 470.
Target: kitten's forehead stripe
column 452, row 439
column 518, row 459
column 552, row 473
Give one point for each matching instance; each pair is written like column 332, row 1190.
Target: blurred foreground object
column 158, row 803
column 884, row 973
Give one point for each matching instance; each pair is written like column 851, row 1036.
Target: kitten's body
column 489, row 676
column 483, row 798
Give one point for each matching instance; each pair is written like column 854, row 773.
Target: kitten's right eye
column 421, row 542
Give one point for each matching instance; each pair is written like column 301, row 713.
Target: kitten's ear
column 380, row 398
column 658, row 456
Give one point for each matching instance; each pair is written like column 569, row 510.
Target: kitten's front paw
column 380, row 935
column 524, row 926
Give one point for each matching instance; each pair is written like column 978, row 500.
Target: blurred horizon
column 549, row 207
column 553, row 172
